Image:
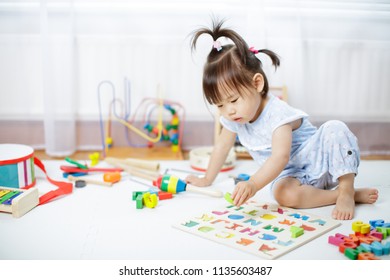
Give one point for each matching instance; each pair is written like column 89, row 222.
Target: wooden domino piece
column 18, row 201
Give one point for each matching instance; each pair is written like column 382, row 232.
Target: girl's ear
column 258, row 82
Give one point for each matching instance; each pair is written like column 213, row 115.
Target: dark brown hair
column 232, row 67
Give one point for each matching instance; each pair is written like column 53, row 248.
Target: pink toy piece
column 335, row 240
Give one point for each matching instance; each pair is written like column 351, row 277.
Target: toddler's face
column 241, row 108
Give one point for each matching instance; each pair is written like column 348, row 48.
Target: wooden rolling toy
column 172, row 184
column 18, row 201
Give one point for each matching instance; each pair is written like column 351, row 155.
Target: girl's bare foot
column 345, row 204
column 366, row 195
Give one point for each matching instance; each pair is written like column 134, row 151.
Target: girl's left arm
column 273, row 166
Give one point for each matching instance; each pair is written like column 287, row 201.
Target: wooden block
column 368, row 239
column 359, row 226
column 296, row 231
column 351, row 253
column 386, row 248
column 136, row 194
column 139, row 202
column 228, row 198
column 164, row 195
column 347, row 244
column 376, row 234
column 150, row 200
column 384, row 231
column 335, row 240
column 376, row 223
column 367, row 256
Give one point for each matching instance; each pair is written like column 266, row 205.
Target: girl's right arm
column 221, row 149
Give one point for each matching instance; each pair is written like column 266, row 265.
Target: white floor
column 103, row 223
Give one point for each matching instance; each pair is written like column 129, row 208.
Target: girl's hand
column 196, row 181
column 243, row 191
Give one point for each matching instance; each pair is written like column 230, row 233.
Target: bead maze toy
column 171, row 132
column 265, row 230
column 367, row 242
column 173, row 184
column 18, row 201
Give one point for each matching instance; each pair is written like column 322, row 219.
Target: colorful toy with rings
column 173, row 184
column 171, row 132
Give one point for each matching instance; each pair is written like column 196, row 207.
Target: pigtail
column 239, row 42
column 217, row 32
column 230, row 67
column 274, row 57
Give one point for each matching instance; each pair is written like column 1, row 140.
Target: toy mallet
column 89, row 181
column 172, row 184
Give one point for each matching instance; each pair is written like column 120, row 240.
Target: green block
column 139, row 202
column 351, row 254
column 228, row 197
column 296, row 231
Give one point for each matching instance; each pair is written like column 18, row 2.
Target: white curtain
column 335, row 57
column 58, row 77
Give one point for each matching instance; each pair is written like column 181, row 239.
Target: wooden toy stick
column 89, row 181
column 137, row 172
column 137, row 163
column 206, row 191
column 141, row 173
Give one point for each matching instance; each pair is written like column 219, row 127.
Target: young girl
column 303, row 163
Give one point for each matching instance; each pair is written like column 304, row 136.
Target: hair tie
column 253, row 50
column 217, row 45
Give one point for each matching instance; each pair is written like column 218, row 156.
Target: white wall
column 335, row 54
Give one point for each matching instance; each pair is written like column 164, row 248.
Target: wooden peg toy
column 173, row 184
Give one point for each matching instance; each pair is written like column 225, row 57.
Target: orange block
column 367, row 256
column 347, row 244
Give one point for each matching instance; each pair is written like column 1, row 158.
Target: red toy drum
column 16, row 166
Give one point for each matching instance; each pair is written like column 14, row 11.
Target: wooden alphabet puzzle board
column 266, row 230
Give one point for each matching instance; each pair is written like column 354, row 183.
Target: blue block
column 366, row 247
column 377, row 248
column 386, row 248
